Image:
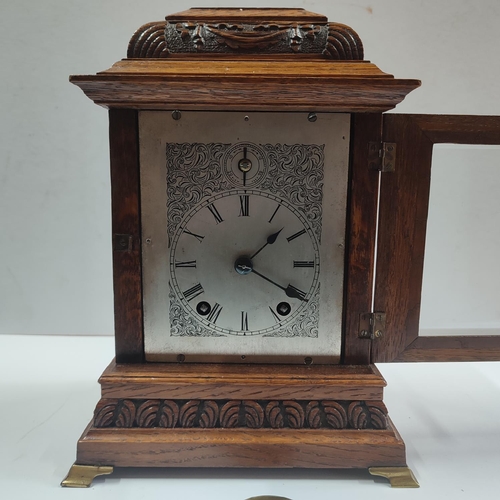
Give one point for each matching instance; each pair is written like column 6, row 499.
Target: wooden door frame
column 404, row 202
column 360, row 235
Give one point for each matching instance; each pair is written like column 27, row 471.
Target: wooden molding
column 229, row 414
column 320, row 448
column 241, row 396
column 253, row 85
column 242, row 382
column 343, row 43
column 148, row 42
column 249, row 15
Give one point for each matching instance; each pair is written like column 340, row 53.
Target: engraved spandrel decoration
column 291, row 172
column 296, row 174
column 196, row 171
column 182, row 324
column 306, row 324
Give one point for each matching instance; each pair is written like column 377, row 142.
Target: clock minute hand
column 290, row 290
column 270, row 240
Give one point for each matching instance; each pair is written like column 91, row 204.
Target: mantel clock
column 252, row 168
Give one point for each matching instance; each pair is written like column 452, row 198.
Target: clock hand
column 244, row 171
column 290, row 290
column 270, row 240
column 244, row 165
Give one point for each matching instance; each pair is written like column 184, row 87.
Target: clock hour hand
column 290, row 290
column 270, row 240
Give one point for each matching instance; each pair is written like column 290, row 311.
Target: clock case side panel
column 126, row 228
column 404, row 203
column 361, row 225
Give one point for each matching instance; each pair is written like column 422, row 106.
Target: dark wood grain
column 343, row 43
column 229, row 431
column 360, row 238
column 243, row 83
column 455, row 348
column 127, row 286
column 404, row 198
column 247, row 15
column 148, row 42
column 230, row 381
column 241, row 448
column 403, row 219
column 460, row 129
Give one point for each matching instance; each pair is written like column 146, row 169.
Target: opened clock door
column 403, row 223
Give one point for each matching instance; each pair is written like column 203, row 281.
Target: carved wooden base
column 166, row 415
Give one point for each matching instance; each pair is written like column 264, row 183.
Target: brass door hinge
column 382, row 156
column 371, row 325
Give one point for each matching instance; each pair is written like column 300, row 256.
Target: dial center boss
column 243, row 265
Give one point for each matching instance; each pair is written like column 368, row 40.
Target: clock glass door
column 243, row 234
column 467, row 299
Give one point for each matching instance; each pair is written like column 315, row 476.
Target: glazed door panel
column 404, row 209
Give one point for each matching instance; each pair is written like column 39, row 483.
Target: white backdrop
column 55, row 243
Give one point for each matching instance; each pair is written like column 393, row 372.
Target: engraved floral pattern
column 306, row 323
column 196, row 171
column 182, row 324
column 296, row 175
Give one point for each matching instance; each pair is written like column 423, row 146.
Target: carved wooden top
column 245, row 31
column 252, row 59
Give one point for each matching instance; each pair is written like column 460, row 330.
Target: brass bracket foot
column 400, row 477
column 81, row 476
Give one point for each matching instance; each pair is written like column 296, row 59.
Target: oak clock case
column 245, row 262
column 269, row 227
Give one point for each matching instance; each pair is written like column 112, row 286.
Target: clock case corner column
column 126, row 230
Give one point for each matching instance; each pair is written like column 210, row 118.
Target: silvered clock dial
column 245, row 262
